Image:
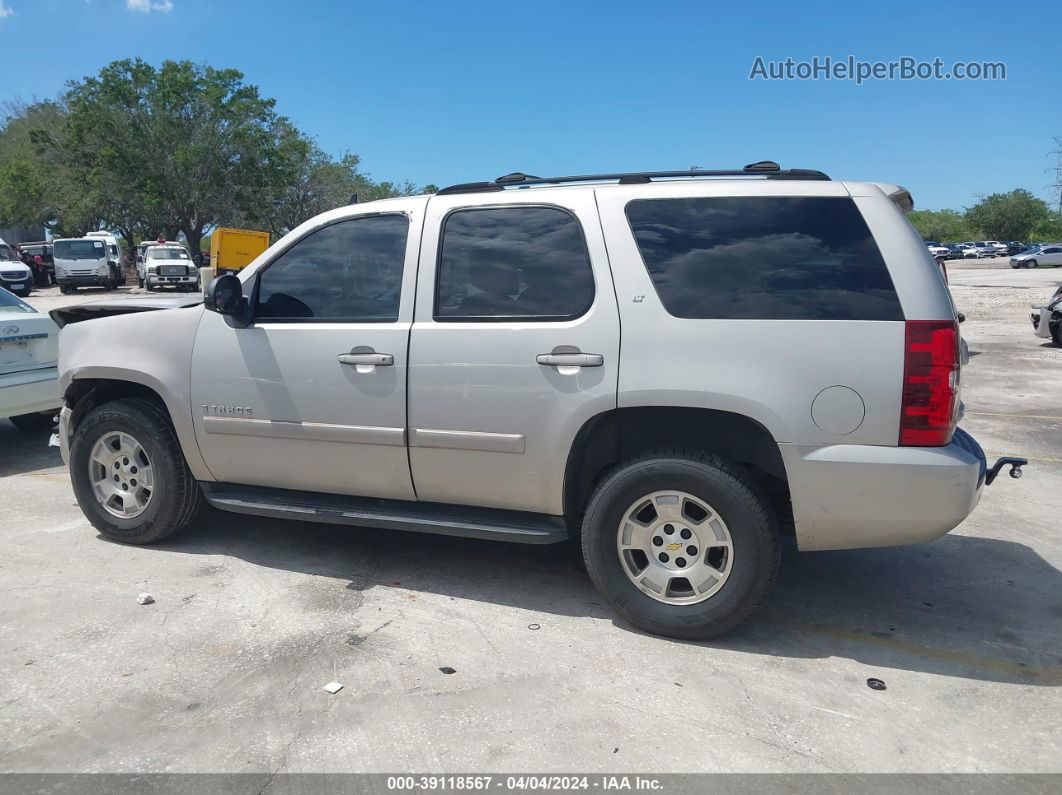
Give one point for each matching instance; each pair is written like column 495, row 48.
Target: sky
column 446, row 92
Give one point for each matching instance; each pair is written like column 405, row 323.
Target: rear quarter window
column 780, row 258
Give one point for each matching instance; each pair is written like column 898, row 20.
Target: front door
column 312, row 395
column 515, row 346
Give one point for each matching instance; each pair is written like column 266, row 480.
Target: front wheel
column 1032, row 264
column 1056, row 333
column 681, row 543
column 129, row 474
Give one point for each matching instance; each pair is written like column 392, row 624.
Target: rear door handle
column 569, row 356
column 364, row 355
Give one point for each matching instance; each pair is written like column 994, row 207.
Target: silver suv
column 678, row 368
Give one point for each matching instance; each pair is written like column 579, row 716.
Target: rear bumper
column 29, row 392
column 851, row 496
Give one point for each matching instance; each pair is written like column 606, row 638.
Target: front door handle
column 364, row 355
column 569, row 356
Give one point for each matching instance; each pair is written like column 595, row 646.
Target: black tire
column 1031, row 263
column 736, row 498
column 38, row 421
column 176, row 498
column 139, row 282
column 1056, row 332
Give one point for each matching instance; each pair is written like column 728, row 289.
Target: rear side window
column 499, row 263
column 780, row 258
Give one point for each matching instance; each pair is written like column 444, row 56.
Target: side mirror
column 224, row 295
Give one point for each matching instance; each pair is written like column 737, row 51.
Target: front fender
column 151, row 349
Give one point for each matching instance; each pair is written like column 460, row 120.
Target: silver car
column 678, row 368
column 1040, row 255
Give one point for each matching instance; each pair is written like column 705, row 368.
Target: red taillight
column 930, row 383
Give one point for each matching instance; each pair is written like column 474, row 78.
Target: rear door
column 515, row 346
column 312, row 395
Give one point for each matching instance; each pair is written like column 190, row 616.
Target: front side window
column 348, row 271
column 513, row 263
column 772, row 258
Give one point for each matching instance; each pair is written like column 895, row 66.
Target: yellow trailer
column 233, row 249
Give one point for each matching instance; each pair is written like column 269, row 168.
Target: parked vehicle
column 998, row 249
column 114, row 253
column 1035, row 257
column 15, row 275
column 169, row 265
column 937, row 249
column 38, row 256
column 1014, row 247
column 1047, row 319
column 954, row 250
column 29, row 386
column 84, row 262
column 453, row 364
column 977, row 250
column 232, row 250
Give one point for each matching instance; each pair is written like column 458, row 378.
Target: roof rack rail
column 763, row 168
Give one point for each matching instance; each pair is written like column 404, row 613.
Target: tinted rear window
column 782, row 258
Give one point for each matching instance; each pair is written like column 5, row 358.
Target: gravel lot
column 224, row 672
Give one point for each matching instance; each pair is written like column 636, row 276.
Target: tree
column 1008, row 216
column 313, row 182
column 940, row 224
column 183, row 146
column 36, row 189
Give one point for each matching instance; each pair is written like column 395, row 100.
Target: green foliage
column 940, row 225
column 177, row 149
column 1048, row 230
column 1008, row 216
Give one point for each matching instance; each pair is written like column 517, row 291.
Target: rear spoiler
column 899, row 194
column 76, row 314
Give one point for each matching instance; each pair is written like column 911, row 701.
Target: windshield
column 167, row 253
column 78, row 249
column 6, row 252
column 10, row 304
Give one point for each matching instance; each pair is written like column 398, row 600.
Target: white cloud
column 5, row 11
column 147, row 6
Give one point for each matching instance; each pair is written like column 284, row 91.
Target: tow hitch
column 1015, row 467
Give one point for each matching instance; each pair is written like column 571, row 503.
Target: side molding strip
column 306, row 431
column 468, row 440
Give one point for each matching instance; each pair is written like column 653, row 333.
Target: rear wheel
column 129, row 474
column 681, row 543
column 38, row 421
column 1056, row 332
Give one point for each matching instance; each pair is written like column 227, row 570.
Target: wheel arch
column 90, row 387
column 613, row 436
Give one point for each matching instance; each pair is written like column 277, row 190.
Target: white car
column 169, row 265
column 999, row 248
column 976, row 250
column 937, row 250
column 15, row 275
column 1037, row 256
column 29, row 353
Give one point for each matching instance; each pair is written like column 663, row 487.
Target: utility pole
column 1056, row 169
